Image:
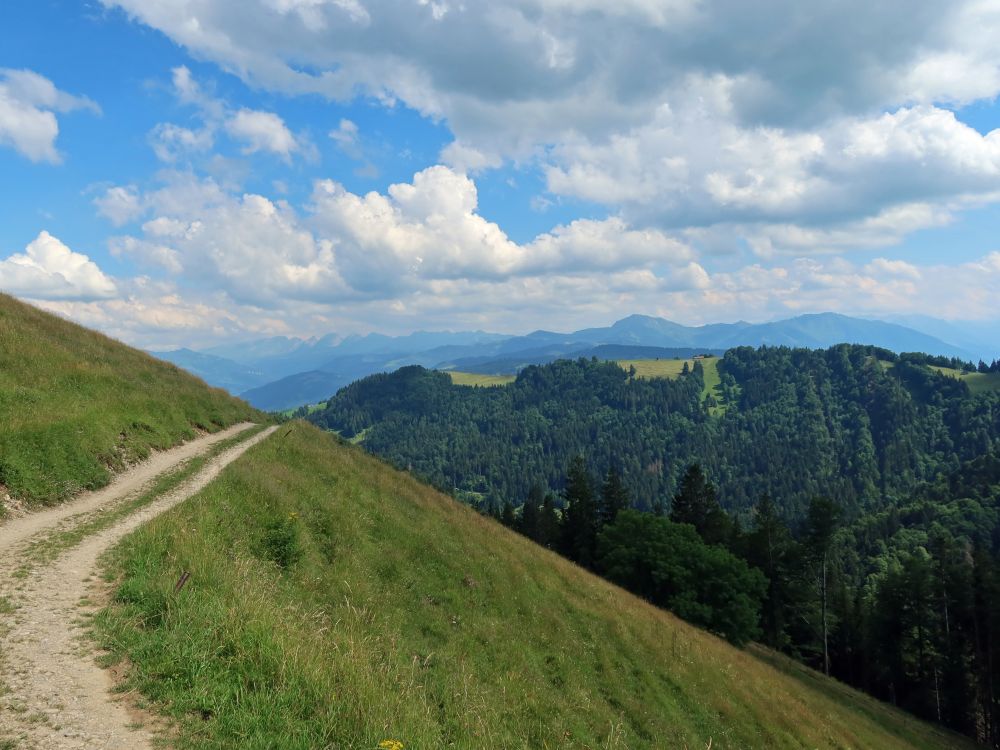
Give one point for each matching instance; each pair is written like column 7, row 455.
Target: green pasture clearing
column 672, row 368
column 310, row 408
column 978, row 382
column 478, row 379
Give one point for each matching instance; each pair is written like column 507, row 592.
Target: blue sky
column 180, row 172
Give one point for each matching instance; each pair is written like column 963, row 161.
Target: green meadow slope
column 672, row 368
column 76, row 405
column 336, row 602
column 477, row 379
column 978, row 382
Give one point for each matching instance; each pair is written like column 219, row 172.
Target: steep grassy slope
column 335, row 602
column 75, row 405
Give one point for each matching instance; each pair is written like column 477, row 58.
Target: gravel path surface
column 52, row 693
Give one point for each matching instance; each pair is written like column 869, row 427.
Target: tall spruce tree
column 695, row 503
column 529, row 512
column 614, row 496
column 548, row 523
column 986, row 592
column 770, row 547
column 821, row 524
column 580, row 520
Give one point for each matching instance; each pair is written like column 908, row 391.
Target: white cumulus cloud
column 119, row 204
column 170, row 142
column 347, row 246
column 28, row 106
column 256, row 131
column 516, row 68
column 673, row 113
column 262, row 131
column 48, row 269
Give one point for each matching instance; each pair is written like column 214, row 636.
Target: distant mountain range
column 281, row 372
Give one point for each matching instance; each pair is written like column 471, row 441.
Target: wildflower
column 391, row 745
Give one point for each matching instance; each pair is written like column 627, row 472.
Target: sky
column 185, row 172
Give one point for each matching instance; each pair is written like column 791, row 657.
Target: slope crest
column 76, row 406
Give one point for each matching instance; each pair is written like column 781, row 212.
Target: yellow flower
column 391, row 745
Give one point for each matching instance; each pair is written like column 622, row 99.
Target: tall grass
column 335, row 602
column 76, row 405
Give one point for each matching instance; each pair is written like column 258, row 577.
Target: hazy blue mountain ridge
column 220, row 372
column 282, row 372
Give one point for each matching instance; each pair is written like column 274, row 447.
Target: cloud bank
column 735, row 160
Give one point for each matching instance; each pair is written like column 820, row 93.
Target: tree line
column 673, row 562
column 857, row 423
column 904, row 605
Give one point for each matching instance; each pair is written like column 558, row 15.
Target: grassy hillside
column 672, row 368
column 644, row 368
column 478, row 379
column 978, row 382
column 76, row 405
column 309, row 409
column 335, row 602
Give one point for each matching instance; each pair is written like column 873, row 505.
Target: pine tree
column 549, row 524
column 530, row 512
column 614, row 497
column 770, row 548
column 507, row 515
column 695, row 503
column 693, row 499
column 953, row 600
column 580, row 515
column 986, row 592
column 821, row 524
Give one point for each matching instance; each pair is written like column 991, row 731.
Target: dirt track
column 56, row 695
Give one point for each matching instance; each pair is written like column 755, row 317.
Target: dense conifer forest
column 842, row 506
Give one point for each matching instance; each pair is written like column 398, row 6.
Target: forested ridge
column 856, row 423
column 861, row 492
